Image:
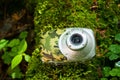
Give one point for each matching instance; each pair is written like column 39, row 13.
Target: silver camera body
column 77, row 44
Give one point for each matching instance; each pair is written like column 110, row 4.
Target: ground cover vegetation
column 102, row 16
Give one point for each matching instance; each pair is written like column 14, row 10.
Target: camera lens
column 76, row 39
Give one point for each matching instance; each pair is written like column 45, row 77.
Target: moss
column 63, row 71
column 53, row 14
column 61, row 14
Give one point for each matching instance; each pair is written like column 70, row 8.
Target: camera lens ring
column 76, row 39
column 80, row 40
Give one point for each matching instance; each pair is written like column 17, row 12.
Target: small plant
column 13, row 53
column 114, row 49
column 113, row 72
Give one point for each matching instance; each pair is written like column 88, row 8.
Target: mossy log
column 54, row 14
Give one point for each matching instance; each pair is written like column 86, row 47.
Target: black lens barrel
column 76, row 39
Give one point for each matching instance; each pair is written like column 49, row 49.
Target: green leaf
column 103, row 79
column 16, row 61
column 109, row 54
column 114, row 72
column 23, row 46
column 13, row 75
column 27, row 58
column 7, row 58
column 13, row 54
column 118, row 74
column 13, row 43
column 117, row 37
column 106, row 71
column 23, row 35
column 114, row 48
column 15, row 49
column 113, row 57
column 3, row 43
column 16, row 73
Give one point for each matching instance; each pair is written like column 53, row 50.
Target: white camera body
column 77, row 44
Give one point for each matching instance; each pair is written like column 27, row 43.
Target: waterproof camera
column 68, row 45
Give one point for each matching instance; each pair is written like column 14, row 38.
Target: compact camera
column 67, row 45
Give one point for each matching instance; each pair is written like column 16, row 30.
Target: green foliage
column 16, row 73
column 27, row 57
column 53, row 14
column 23, row 35
column 14, row 51
column 108, row 14
column 22, row 46
column 114, row 50
column 103, row 79
column 115, row 72
column 113, row 54
column 3, row 42
column 16, row 60
column 117, row 37
column 67, row 71
column 13, row 43
column 107, row 71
